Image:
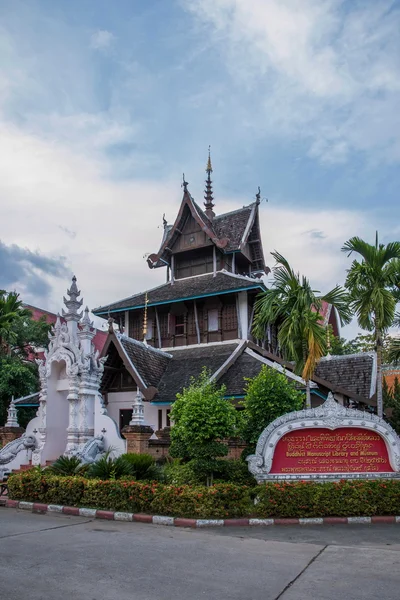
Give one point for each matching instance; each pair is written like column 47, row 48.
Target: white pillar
column 243, row 314
column 172, row 269
column 126, row 329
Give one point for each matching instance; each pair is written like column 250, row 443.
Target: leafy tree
column 373, row 282
column 268, row 396
column 17, row 378
column 29, row 335
column 391, row 399
column 202, row 418
column 11, row 310
column 19, row 336
column 295, row 307
column 361, row 343
column 393, row 351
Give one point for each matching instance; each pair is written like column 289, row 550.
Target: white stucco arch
column 329, row 415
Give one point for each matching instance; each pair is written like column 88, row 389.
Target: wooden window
column 136, row 327
column 163, row 320
column 168, row 419
column 213, row 319
column 229, row 318
column 192, row 323
column 179, row 324
column 159, row 418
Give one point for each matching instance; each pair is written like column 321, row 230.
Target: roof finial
column 208, row 192
column 209, row 166
column 110, row 322
column 258, row 196
column 73, row 304
column 184, row 183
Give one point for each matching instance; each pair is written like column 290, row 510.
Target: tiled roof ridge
column 44, row 310
column 204, row 345
column 343, row 356
column 232, row 212
column 133, row 296
column 122, row 336
column 237, row 276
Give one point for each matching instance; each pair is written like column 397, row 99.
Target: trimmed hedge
column 221, row 501
column 330, row 499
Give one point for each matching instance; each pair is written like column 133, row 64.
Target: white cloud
column 48, row 186
column 101, row 39
column 44, row 184
column 328, row 72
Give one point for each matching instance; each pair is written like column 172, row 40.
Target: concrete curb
column 36, row 507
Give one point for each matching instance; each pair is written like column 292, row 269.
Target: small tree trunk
column 308, row 394
column 379, row 401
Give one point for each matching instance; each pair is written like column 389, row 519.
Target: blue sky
column 104, row 104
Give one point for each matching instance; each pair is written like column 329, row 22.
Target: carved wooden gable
column 191, row 236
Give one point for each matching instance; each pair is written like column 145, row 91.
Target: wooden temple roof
column 199, row 286
column 161, row 374
column 230, row 232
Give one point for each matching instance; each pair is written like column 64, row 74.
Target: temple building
column 202, row 316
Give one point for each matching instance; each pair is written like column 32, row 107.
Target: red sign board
column 343, row 450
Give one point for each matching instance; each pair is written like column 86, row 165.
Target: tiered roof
column 160, row 375
column 230, row 232
column 199, row 286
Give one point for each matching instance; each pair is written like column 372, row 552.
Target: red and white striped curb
column 92, row 513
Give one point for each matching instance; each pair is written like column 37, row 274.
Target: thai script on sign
column 345, row 450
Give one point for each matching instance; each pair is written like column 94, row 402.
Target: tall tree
column 11, row 310
column 202, row 418
column 19, row 336
column 295, row 308
column 269, row 395
column 373, row 282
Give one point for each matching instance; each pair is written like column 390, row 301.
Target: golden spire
column 208, row 192
column 328, row 341
column 146, row 301
column 209, row 166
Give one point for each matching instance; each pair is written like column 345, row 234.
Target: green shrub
column 111, row 468
column 342, row 498
column 234, row 471
column 128, row 496
column 68, row 465
column 219, row 501
column 229, row 471
column 222, row 500
column 144, row 466
column 38, row 486
column 178, row 473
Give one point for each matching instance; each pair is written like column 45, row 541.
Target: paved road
column 46, row 557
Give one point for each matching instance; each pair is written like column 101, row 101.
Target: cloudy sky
column 104, row 104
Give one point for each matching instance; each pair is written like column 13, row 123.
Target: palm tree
column 11, row 309
column 373, row 283
column 295, row 307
